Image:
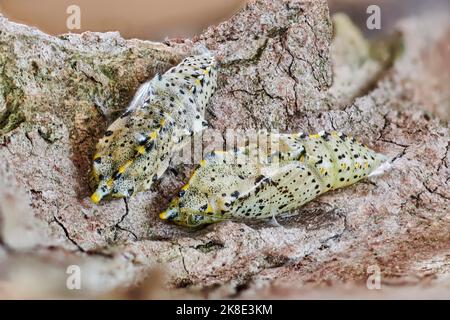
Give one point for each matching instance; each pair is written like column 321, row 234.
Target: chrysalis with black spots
column 136, row 148
column 229, row 185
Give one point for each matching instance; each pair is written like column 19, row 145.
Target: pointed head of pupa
column 118, row 184
column 102, row 191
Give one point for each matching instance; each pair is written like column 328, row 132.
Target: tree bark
column 279, row 70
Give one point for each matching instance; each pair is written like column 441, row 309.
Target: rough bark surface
column 281, row 68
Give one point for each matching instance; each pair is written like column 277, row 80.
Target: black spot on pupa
column 117, row 175
column 326, row 136
column 259, row 179
column 143, row 141
column 108, row 133
column 126, row 114
column 150, row 146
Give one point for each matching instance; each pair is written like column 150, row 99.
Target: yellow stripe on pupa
column 209, row 209
column 185, row 187
column 141, row 149
column 163, row 215
column 95, row 197
column 125, row 166
column 110, row 182
column 153, row 135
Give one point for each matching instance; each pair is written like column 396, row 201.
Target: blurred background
column 158, row 19
column 143, row 19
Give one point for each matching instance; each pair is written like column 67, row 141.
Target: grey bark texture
column 285, row 65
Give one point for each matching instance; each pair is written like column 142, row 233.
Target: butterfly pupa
column 228, row 185
column 137, row 147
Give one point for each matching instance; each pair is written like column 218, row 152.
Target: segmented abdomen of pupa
column 136, row 148
column 230, row 185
